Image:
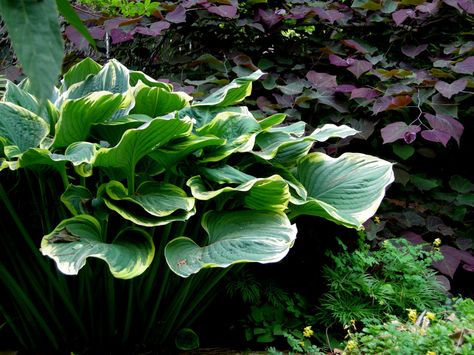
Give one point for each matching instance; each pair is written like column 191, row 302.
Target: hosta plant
column 135, row 157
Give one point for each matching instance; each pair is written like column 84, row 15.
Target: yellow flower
column 412, row 315
column 377, row 220
column 307, row 331
column 437, row 242
column 302, row 343
column 430, row 353
column 430, row 315
column 351, row 345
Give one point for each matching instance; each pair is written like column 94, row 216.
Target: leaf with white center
column 78, row 238
column 173, row 153
column 136, row 76
column 347, row 190
column 79, row 72
column 75, row 199
column 78, row 116
column 238, row 130
column 203, row 115
column 20, row 129
column 155, row 101
column 138, row 142
column 234, row 237
column 153, row 204
column 332, row 131
column 270, row 193
column 234, row 92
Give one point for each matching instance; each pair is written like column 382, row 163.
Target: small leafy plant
column 365, row 286
column 445, row 333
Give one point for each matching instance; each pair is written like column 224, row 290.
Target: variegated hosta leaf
column 75, row 199
column 272, row 120
column 136, row 76
column 20, row 129
column 234, row 92
column 238, row 130
column 138, row 142
column 347, row 190
column 234, row 237
column 78, row 116
column 79, row 72
column 173, row 153
column 270, row 193
column 153, row 204
column 285, row 145
column 203, row 115
column 78, row 153
column 20, row 97
column 80, row 237
column 155, row 101
column 113, row 77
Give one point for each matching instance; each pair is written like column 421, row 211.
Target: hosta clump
column 137, row 159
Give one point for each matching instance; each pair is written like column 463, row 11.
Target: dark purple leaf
column 97, row 32
column 360, row 67
column 429, row 7
column 412, row 51
column 299, row 12
column 433, row 135
column 284, row 100
column 339, row 62
column 322, row 80
column 364, row 93
column 227, row 11
column 399, row 130
column 269, row 17
column 12, row 73
column 189, row 3
column 436, row 225
column 453, row 3
column 465, row 67
column 178, row 15
column 390, row 103
column 328, row 98
column 109, row 25
column 144, row 31
column 329, row 15
column 413, row 237
column 452, row 259
column 76, row 38
column 159, row 26
column 346, row 88
column 398, row 89
column 266, row 105
column 118, row 36
column 354, row 45
column 400, row 16
column 447, row 124
column 467, row 5
column 365, row 128
column 448, row 90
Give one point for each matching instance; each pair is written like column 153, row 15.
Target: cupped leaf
column 78, row 153
column 234, row 237
column 20, row 97
column 155, row 101
column 234, row 92
column 80, row 237
column 153, row 204
column 346, row 190
column 37, row 158
column 79, row 72
column 203, row 115
column 238, row 130
column 75, row 199
column 20, row 129
column 77, row 116
column 33, row 28
column 136, row 76
column 173, row 153
column 138, row 142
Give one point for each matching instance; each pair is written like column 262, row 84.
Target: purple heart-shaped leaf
column 434, row 135
column 448, row 90
column 360, row 67
column 178, row 15
column 429, row 7
column 399, row 130
column 346, row 88
column 467, row 5
column 227, row 11
column 338, row 61
column 159, row 26
column 329, row 15
column 465, row 67
column 364, row 93
column 322, row 80
column 269, row 17
column 412, row 51
column 118, row 35
column 446, row 124
column 400, row 16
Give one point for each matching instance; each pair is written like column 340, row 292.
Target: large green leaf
column 79, row 72
column 138, row 142
column 153, row 204
column 75, row 198
column 113, row 77
column 77, row 116
column 78, row 153
column 234, row 92
column 239, row 131
column 203, row 115
column 20, row 129
column 270, row 193
column 20, row 97
column 346, row 190
column 33, row 27
column 38, row 158
column 80, row 237
column 173, row 153
column 137, row 76
column 234, row 237
column 155, row 101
